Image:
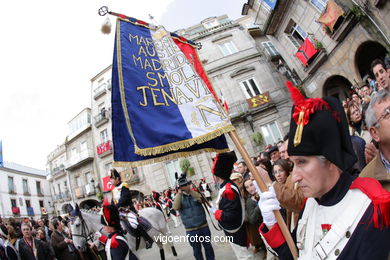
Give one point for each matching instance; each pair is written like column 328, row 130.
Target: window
column 271, row 133
column 172, row 167
column 41, row 204
column 13, row 203
column 250, row 88
column 11, row 186
column 83, row 146
column 104, row 136
column 319, row 4
column 295, row 33
column 107, row 168
column 59, row 188
column 28, row 204
column 101, row 107
column 227, row 48
column 88, row 177
column 73, row 152
column 270, row 48
column 39, row 191
column 25, row 186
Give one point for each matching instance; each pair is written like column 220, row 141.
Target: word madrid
column 170, row 77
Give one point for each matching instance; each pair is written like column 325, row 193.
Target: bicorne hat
column 319, row 127
column 223, row 164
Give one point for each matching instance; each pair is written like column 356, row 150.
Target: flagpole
column 252, row 168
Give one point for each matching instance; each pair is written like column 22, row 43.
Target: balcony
column 79, row 192
column 30, row 211
column 99, row 91
column 134, row 180
column 26, row 193
column 90, row 189
column 104, row 149
column 243, row 107
column 63, row 196
column 57, row 170
column 79, row 159
column 101, row 118
column 270, row 53
column 40, row 194
column 15, row 210
column 11, row 190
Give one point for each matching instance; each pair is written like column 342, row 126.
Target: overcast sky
column 49, row 52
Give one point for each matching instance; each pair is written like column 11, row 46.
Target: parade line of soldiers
column 315, row 177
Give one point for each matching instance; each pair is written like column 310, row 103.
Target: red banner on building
column 306, row 51
column 103, row 147
column 331, row 14
column 107, row 185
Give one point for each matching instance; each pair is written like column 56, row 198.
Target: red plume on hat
column 110, row 216
column 156, row 195
column 303, row 108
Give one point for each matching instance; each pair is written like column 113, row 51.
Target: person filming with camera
column 189, row 204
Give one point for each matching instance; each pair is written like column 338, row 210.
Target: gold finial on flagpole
column 106, row 26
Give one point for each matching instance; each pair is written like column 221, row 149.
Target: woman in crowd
column 356, row 122
column 253, row 215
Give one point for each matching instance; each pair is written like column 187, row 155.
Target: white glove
column 212, row 210
column 267, row 204
column 97, row 235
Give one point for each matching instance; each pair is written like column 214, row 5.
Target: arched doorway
column 65, row 208
column 337, row 86
column 89, row 204
column 365, row 54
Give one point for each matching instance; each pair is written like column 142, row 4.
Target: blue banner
column 152, row 118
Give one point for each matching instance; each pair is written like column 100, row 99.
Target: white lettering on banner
column 172, row 80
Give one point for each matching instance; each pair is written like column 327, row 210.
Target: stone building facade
column 24, row 192
column 344, row 56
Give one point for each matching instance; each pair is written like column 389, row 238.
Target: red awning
column 306, row 51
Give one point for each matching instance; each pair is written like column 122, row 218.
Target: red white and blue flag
column 163, row 105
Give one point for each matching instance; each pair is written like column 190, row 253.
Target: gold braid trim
column 183, row 144
column 167, row 157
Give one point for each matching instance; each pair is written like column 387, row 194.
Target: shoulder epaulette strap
column 380, row 199
column 114, row 242
column 126, row 185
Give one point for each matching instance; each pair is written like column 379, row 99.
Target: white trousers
column 241, row 252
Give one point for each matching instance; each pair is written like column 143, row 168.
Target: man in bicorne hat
column 157, row 205
column 116, row 243
column 230, row 211
column 344, row 217
column 123, row 200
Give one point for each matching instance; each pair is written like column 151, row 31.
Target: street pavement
column 184, row 251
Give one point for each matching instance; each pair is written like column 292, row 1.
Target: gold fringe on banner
column 183, row 144
column 167, row 157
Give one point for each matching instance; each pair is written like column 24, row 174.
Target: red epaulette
column 380, row 199
column 228, row 192
column 218, row 214
column 114, row 242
